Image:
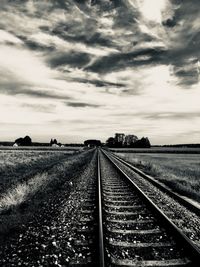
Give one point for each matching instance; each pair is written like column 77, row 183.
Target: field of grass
column 15, row 157
column 41, row 148
column 21, row 198
column 171, row 150
column 180, row 172
column 20, row 165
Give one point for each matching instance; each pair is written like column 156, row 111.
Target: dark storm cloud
column 117, row 61
column 87, row 31
column 73, row 34
column 81, row 105
column 187, row 76
column 36, row 45
column 101, row 5
column 184, row 49
column 98, row 39
column 126, row 15
column 82, row 26
column 179, row 24
column 74, row 59
column 169, row 22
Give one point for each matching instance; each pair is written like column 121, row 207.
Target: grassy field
column 181, row 172
column 20, row 165
column 171, row 150
column 28, row 183
column 42, row 148
column 15, row 157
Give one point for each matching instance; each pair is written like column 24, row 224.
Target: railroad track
column 181, row 199
column 115, row 223
column 185, row 214
column 130, row 229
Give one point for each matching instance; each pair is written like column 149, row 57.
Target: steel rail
column 180, row 237
column 101, row 238
column 162, row 187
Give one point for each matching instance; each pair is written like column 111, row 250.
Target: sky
column 80, row 69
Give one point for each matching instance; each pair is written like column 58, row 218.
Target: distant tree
column 148, row 144
column 110, row 142
column 26, row 141
column 51, row 142
column 55, row 141
column 142, row 143
column 19, row 141
column 119, row 139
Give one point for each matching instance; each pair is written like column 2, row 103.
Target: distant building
column 15, row 145
column 130, row 139
column 53, row 142
column 55, row 145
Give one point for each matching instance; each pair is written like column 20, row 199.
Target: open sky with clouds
column 77, row 69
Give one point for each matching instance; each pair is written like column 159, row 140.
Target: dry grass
column 22, row 200
column 19, row 194
column 18, row 166
column 10, row 158
column 176, row 150
column 181, row 172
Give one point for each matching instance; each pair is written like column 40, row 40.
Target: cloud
column 43, row 94
column 50, row 108
column 171, row 115
column 8, row 38
column 100, row 83
column 187, row 73
column 171, row 22
column 34, row 45
column 81, row 105
column 183, row 41
column 23, row 73
column 152, row 11
column 73, row 59
column 118, row 61
column 137, row 70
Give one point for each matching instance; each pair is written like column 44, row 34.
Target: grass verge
column 179, row 172
column 22, row 201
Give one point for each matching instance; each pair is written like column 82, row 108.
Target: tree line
column 127, row 141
